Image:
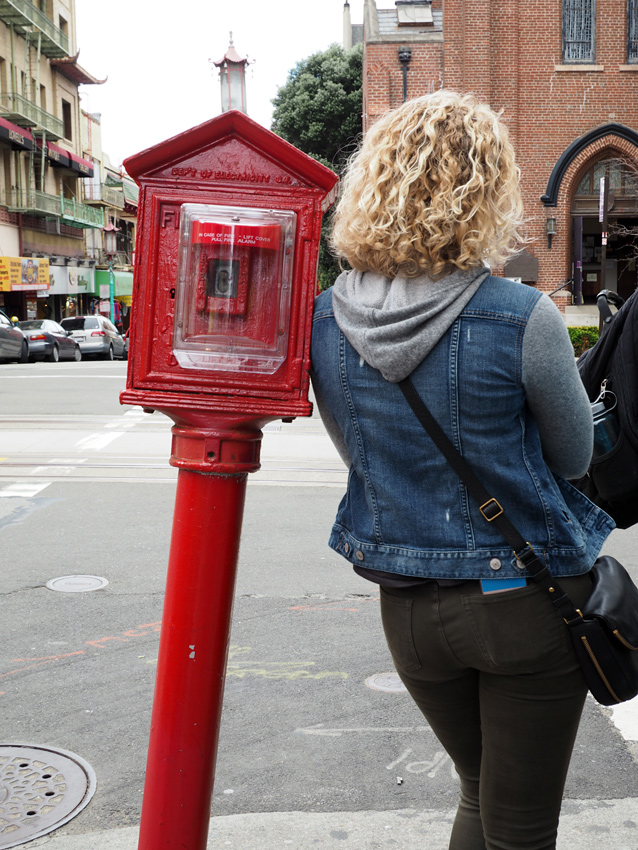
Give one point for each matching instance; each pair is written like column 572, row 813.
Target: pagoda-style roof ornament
column 70, row 68
column 232, row 77
column 231, row 55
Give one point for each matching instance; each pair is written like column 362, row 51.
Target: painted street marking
column 138, row 631
column 401, row 758
column 95, row 442
column 47, row 659
column 52, row 470
column 280, row 670
column 117, row 423
column 24, row 490
column 289, row 670
column 321, row 730
column 429, row 766
column 329, row 606
column 67, row 460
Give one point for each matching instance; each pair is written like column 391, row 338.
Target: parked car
column 47, row 340
column 13, row 345
column 96, row 335
column 125, row 355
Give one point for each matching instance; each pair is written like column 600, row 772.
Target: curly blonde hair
column 434, row 185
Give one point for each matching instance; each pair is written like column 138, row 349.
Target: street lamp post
column 110, row 249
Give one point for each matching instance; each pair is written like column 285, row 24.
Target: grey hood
column 394, row 324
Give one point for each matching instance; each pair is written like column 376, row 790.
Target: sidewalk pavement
column 585, row 825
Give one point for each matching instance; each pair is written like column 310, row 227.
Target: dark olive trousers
column 496, row 678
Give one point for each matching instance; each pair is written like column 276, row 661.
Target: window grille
column 632, row 30
column 579, row 30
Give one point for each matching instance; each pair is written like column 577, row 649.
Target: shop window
column 632, row 30
column 67, row 120
column 579, row 31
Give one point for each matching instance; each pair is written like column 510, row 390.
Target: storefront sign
column 23, row 274
column 71, row 280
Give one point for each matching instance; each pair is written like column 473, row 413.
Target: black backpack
column 609, row 371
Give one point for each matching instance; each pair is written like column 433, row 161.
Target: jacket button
column 359, row 555
column 346, row 548
column 495, row 564
column 520, row 565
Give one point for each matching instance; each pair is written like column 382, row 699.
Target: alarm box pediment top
column 235, row 149
column 226, row 264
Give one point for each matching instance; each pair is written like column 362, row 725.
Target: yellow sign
column 23, row 274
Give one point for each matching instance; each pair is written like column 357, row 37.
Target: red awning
column 18, row 137
column 67, row 159
column 56, row 154
column 84, row 167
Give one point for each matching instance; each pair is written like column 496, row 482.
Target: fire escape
column 42, row 38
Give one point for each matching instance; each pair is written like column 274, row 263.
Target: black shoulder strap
column 489, row 507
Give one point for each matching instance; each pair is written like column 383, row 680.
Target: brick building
column 565, row 75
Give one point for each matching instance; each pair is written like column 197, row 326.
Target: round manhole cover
column 77, row 584
column 41, row 788
column 388, row 682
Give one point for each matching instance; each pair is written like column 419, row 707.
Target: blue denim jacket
column 405, row 510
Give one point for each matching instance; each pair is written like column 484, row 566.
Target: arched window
column 579, row 31
column 623, row 187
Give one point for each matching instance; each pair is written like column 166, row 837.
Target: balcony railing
column 24, row 15
column 98, row 193
column 81, row 215
column 121, row 259
column 21, row 111
column 32, row 202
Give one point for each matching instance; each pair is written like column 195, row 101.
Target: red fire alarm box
column 227, row 246
column 234, row 281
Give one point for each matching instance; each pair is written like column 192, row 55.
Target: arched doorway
column 610, row 264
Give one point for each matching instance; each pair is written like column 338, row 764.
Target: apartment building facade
column 565, row 75
column 54, row 197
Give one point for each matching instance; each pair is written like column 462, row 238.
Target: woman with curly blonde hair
column 431, row 199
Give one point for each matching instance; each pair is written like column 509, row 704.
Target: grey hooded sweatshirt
column 394, row 324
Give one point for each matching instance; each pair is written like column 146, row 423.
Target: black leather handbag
column 605, row 632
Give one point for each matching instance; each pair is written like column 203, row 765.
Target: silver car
column 13, row 345
column 48, row 341
column 96, row 335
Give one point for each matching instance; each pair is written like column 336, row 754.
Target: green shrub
column 583, row 338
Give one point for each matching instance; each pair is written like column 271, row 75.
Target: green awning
column 123, row 281
column 131, row 192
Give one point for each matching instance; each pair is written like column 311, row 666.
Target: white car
column 96, row 335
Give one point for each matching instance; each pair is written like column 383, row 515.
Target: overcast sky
column 155, row 56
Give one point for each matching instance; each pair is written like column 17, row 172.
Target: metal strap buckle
column 491, row 510
column 580, row 615
column 526, row 555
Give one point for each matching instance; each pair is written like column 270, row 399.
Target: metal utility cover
column 41, row 788
column 387, row 682
column 77, row 584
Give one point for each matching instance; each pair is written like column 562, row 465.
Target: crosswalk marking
column 24, row 490
column 95, row 442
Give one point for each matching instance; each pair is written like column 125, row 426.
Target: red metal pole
column 192, row 661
